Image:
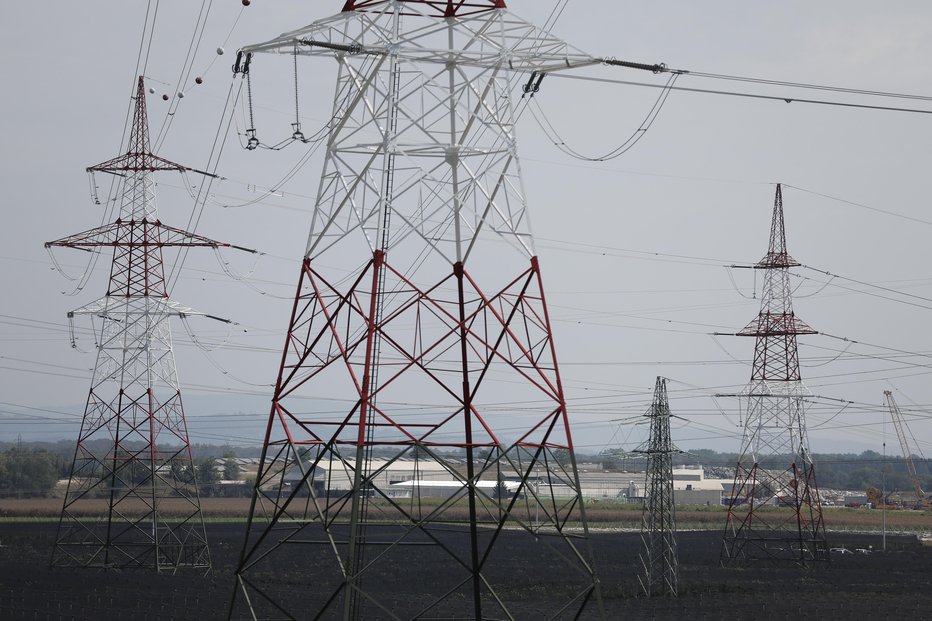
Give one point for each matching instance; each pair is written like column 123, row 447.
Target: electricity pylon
column 775, row 468
column 132, row 499
column 419, row 345
column 659, row 561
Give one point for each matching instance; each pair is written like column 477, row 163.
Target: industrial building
column 690, row 487
column 404, row 478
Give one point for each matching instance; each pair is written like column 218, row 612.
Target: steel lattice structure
column 899, row 424
column 430, row 361
column 133, row 456
column 775, row 466
column 659, row 560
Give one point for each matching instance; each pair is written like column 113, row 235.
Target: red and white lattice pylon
column 775, row 468
column 132, row 499
column 418, row 427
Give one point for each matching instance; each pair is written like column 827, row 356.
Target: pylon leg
column 438, row 490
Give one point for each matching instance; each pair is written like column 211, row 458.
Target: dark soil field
column 894, row 584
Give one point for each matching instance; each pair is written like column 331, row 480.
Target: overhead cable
column 706, row 91
column 544, row 123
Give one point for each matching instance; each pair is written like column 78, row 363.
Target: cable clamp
column 243, row 59
column 252, row 143
column 533, row 83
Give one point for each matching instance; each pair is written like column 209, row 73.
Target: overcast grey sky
column 699, row 186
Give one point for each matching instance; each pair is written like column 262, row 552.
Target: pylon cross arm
column 776, row 325
column 512, row 44
column 156, row 235
column 440, row 8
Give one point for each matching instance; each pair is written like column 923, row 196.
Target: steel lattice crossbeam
column 444, row 8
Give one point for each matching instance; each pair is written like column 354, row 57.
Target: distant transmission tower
column 775, row 468
column 418, row 427
column 658, row 530
column 132, row 500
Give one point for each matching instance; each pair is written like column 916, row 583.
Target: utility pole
column 133, row 449
column 775, row 468
column 659, row 561
column 883, row 495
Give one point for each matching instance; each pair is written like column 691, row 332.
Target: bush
column 27, row 472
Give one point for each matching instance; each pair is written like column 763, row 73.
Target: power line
column 875, row 286
column 809, row 86
column 862, row 205
column 787, row 100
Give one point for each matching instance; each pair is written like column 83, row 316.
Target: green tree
column 207, row 475
column 5, row 476
column 27, row 471
column 180, row 471
column 500, row 491
column 231, row 470
column 562, row 456
column 862, row 478
column 613, row 459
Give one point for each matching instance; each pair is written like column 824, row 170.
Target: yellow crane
column 900, row 425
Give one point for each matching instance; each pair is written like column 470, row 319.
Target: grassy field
column 600, row 515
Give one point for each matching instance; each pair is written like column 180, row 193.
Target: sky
column 633, row 251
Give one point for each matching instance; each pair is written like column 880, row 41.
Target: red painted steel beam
column 444, row 8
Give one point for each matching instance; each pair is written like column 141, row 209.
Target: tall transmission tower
column 659, row 559
column 132, row 499
column 418, row 424
column 775, row 467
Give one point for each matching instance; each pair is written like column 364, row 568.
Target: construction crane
column 901, row 428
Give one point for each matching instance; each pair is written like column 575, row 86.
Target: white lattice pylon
column 133, row 466
column 775, row 467
column 420, row 316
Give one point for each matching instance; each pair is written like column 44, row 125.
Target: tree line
column 843, row 471
column 34, row 471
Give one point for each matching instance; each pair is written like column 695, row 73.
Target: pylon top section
column 422, row 153
column 448, row 8
column 661, row 403
column 484, row 34
column 137, row 237
column 138, row 158
column 776, row 317
column 659, row 441
column 777, row 255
